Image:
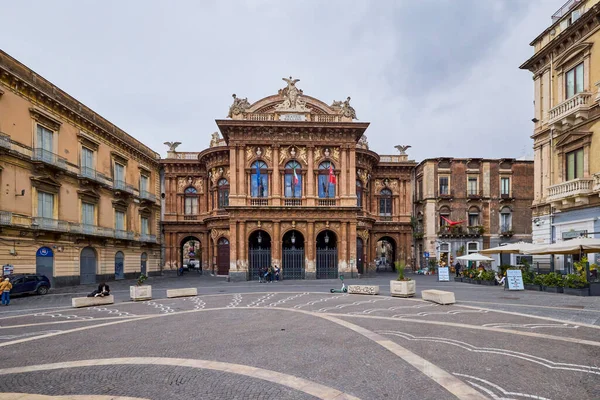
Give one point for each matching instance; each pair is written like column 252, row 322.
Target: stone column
column 352, row 256
column 276, row 244
column 242, row 256
column 276, row 195
column 309, row 246
column 343, row 184
column 206, row 251
column 343, row 249
column 235, row 275
column 310, row 178
column 241, row 170
column 352, row 173
column 207, row 194
column 233, row 189
column 214, row 256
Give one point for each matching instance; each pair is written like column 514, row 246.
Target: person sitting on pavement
column 500, row 281
column 103, row 290
column 5, row 287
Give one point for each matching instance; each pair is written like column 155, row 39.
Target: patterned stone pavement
column 283, row 344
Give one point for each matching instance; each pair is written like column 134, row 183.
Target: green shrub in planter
column 575, row 281
column 553, row 282
column 538, row 279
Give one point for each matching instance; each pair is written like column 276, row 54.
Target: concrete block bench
column 363, row 289
column 438, row 296
column 92, row 301
column 182, row 292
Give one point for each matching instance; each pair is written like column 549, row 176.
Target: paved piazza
column 273, row 341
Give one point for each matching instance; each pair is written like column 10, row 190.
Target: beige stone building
column 291, row 183
column 78, row 195
column 566, row 133
column 462, row 206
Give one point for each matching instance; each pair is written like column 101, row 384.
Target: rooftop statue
column 238, row 106
column 172, row 145
column 292, row 97
column 344, row 108
column 402, row 149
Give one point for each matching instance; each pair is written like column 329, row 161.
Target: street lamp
column 293, row 238
column 259, row 238
column 326, row 238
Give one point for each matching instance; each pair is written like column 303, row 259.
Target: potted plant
column 576, row 285
column 140, row 291
column 402, row 286
column 532, row 281
column 487, row 278
column 553, row 283
column 594, row 281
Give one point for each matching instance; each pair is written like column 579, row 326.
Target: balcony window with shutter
column 223, row 191
column 88, row 214
column 359, row 194
column 45, row 205
column 444, row 185
column 143, row 184
column 574, row 164
column 385, row 203
column 45, row 139
column 119, row 220
column 119, row 174
column 144, row 226
column 505, row 186
column 191, row 201
column 87, row 162
column 472, row 187
column 505, row 220
column 574, row 81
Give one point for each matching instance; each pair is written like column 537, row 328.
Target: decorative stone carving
column 217, row 233
column 268, row 153
column 363, row 234
column 282, row 156
column 363, row 176
column 214, row 141
column 347, row 110
column 215, row 174
column 292, row 97
column 172, row 145
column 363, row 142
column 199, row 185
column 249, row 153
column 317, row 154
column 402, row 149
column 302, row 155
column 181, row 183
column 336, row 154
column 239, row 106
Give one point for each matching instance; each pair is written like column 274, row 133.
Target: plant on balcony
column 461, row 251
column 418, row 235
column 507, row 233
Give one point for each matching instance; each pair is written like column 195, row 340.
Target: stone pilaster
column 310, row 179
column 276, row 244
column 309, row 245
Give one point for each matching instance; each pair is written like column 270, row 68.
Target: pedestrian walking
column 457, row 267
column 270, row 274
column 277, row 270
column 5, row 287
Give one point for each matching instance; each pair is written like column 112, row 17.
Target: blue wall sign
column 44, row 252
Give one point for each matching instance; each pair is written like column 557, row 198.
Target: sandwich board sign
column 443, row 274
column 514, row 278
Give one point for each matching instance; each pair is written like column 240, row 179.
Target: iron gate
column 293, row 263
column 87, row 266
column 327, row 267
column 258, row 258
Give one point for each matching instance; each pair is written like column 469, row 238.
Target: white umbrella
column 513, row 248
column 573, row 246
column 474, row 257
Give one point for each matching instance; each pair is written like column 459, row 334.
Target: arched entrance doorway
column 223, row 256
column 44, row 263
column 143, row 262
column 292, row 262
column 360, row 256
column 191, row 252
column 87, row 266
column 119, row 265
column 385, row 251
column 259, row 253
column 327, row 266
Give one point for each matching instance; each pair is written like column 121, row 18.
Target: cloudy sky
column 440, row 75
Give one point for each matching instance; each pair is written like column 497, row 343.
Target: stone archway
column 327, row 262
column 259, row 253
column 385, row 250
column 292, row 261
column 190, row 252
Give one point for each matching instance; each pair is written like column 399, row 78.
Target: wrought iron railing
column 146, row 195
column 50, row 224
column 122, row 186
column 92, row 174
column 148, row 238
column 48, row 157
column 125, row 235
column 5, row 218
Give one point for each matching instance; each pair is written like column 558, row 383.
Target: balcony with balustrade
column 596, row 187
column 259, row 202
column 87, row 173
column 123, row 235
column 49, row 224
column 292, row 202
column 570, row 112
column 327, row 202
column 91, row 230
column 47, row 158
column 147, row 196
column 147, row 238
column 120, row 186
column 571, row 193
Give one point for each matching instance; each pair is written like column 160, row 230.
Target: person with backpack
column 5, row 287
column 270, row 274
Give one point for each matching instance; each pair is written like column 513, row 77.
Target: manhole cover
column 510, row 298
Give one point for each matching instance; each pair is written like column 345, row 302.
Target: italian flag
column 332, row 178
column 295, row 177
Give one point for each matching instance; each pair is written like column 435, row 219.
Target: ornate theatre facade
column 287, row 181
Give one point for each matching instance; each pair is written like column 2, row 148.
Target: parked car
column 29, row 283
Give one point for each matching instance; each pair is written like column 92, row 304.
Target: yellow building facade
column 566, row 76
column 78, row 195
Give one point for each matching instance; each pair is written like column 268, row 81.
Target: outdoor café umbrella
column 512, row 248
column 579, row 245
column 474, row 257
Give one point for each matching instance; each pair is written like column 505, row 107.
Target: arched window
column 474, row 216
column 191, row 201
column 444, row 213
column 259, row 180
column 359, row 194
column 385, row 202
column 223, row 188
column 327, row 180
column 505, row 219
column 293, row 180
